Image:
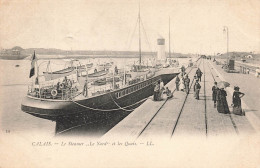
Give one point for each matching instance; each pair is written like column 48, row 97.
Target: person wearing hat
column 156, row 91
column 187, row 83
column 161, row 89
column 222, row 105
column 214, row 93
column 85, row 89
column 182, row 84
column 199, row 74
column 197, row 89
column 177, row 82
column 236, row 100
column 168, row 93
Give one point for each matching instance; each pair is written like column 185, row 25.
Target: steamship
column 76, row 96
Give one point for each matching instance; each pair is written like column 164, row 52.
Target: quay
column 185, row 115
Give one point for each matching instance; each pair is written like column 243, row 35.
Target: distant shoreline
column 77, row 57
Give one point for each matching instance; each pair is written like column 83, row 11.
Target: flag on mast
column 32, row 71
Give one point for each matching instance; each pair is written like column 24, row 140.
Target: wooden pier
column 185, row 115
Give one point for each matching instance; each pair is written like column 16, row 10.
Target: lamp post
column 226, row 30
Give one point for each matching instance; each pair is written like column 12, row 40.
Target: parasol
column 223, row 84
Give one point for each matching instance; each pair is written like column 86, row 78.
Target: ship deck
column 94, row 89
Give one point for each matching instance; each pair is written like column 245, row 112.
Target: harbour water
column 14, row 84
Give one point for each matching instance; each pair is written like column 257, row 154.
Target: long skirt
column 197, row 93
column 238, row 110
column 222, row 106
column 187, row 88
column 182, row 86
column 214, row 97
column 177, row 86
column 155, row 96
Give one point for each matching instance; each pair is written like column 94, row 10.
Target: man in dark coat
column 214, row 93
column 199, row 74
column 187, row 83
column 182, row 69
column 197, row 89
column 177, row 82
column 156, row 92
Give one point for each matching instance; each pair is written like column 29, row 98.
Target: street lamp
column 226, row 30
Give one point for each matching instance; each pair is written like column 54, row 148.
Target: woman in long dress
column 237, row 109
column 182, row 84
column 222, row 105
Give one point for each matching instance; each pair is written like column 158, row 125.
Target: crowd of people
column 218, row 92
column 159, row 90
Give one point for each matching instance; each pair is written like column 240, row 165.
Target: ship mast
column 139, row 21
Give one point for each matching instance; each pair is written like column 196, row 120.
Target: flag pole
column 37, row 74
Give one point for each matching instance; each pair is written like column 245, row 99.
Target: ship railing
column 51, row 93
column 98, row 90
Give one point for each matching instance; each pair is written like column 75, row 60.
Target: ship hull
column 112, row 102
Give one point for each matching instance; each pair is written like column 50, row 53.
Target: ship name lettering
column 76, row 144
column 102, row 143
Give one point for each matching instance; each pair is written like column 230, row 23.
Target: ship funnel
column 161, row 49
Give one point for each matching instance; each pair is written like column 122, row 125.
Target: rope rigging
column 122, row 108
column 146, row 37
column 131, row 39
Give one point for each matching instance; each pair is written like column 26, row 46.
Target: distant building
column 248, row 56
column 16, row 52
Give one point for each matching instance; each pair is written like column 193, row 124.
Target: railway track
column 158, row 111
column 230, row 116
column 204, row 97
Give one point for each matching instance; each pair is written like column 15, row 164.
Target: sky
column 196, row 25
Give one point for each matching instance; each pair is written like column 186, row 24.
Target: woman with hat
column 237, row 101
column 214, row 93
column 182, row 86
column 222, row 105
